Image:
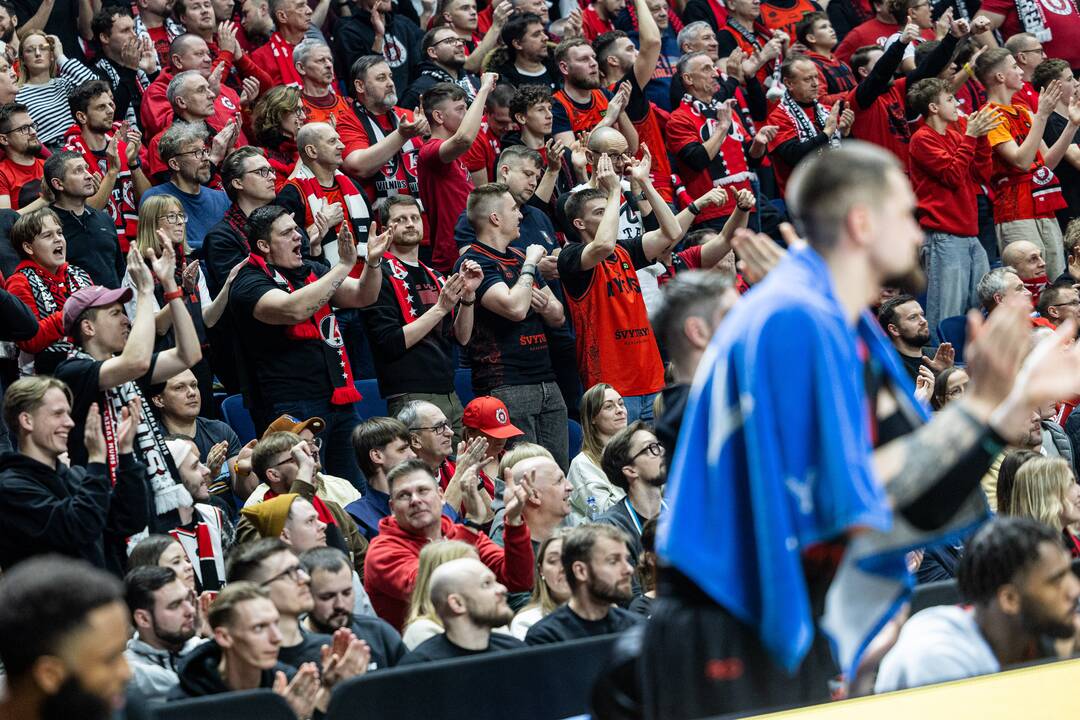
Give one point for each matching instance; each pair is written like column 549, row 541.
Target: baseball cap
column 91, row 297
column 287, row 423
column 489, row 415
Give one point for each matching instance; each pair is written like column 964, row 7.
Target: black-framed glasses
column 26, row 129
column 1039, row 50
column 286, row 461
column 294, row 573
column 440, row 428
column 654, row 448
column 1071, row 303
column 174, row 218
column 451, row 40
column 200, row 154
column 265, row 172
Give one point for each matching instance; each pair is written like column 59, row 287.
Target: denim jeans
column 639, row 407
column 337, row 454
column 540, row 413
column 954, row 265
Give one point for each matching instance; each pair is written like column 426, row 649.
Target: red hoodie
column 393, row 559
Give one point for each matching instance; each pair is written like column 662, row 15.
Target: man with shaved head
column 470, row 603
column 1026, row 258
column 547, row 503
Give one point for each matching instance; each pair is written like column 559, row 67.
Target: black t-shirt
column 283, row 368
column 565, row 624
column 504, row 351
column 440, row 648
column 576, row 281
column 384, row 641
column 912, row 364
column 307, row 650
column 1067, row 174
column 82, row 376
column 92, row 244
column 510, row 75
column 426, row 367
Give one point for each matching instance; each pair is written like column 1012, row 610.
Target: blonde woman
column 1045, row 489
column 550, row 589
column 602, row 415
column 422, row 622
column 46, row 78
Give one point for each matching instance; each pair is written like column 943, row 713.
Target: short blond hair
column 223, row 610
column 27, row 394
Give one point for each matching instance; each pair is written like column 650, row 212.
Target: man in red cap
column 487, row 417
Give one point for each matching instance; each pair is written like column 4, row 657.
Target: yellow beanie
column 269, row 516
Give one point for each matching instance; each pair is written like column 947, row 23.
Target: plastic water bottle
column 593, row 508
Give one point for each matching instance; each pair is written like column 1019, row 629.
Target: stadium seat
column 954, row 330
column 262, row 704
column 238, row 418
column 372, row 404
column 943, row 592
column 573, row 429
column 463, row 385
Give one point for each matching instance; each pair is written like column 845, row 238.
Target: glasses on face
column 438, row 429
column 451, row 40
column 1036, row 50
column 264, row 172
column 200, row 154
column 28, row 129
column 654, row 448
column 286, row 461
column 174, row 218
column 294, row 573
column 1071, row 303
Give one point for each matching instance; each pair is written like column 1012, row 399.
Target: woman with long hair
column 550, row 589
column 276, row 118
column 422, row 622
column 1046, row 490
column 1007, row 476
column 46, row 78
column 164, row 551
column 602, row 415
column 949, row 385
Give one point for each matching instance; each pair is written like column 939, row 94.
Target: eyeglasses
column 28, row 129
column 286, row 461
column 264, row 172
column 294, row 573
column 174, row 218
column 1071, row 303
column 451, row 40
column 654, row 448
column 1039, row 50
column 201, row 154
column 440, row 428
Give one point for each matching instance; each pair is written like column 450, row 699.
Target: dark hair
column 407, row 468
column 392, row 201
column 327, row 559
column 987, row 63
column 518, row 154
column 27, row 227
column 861, row 57
column 526, row 96
column 42, row 601
column 941, row 387
column 224, row 607
column 1047, row 71
column 376, row 432
column 149, row 550
column 6, row 112
column 1006, row 478
column 481, row 201
column 361, row 65
column 515, row 29
column 56, row 166
column 899, row 9
column 260, row 221
column 81, row 96
column 824, row 188
column 233, row 168
column 646, row 573
column 602, row 45
column 805, row 26
column 440, row 93
column 428, row 40
column 926, row 91
column 575, row 204
column 924, row 49
column 245, row 561
column 578, row 545
column 888, row 313
column 617, row 454
column 1002, row 549
column 695, row 293
column 103, row 20
column 500, row 96
column 142, row 582
column 1051, row 294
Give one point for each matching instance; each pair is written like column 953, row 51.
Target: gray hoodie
column 154, row 671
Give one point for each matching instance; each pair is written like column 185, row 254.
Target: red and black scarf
column 283, row 52
column 122, row 208
column 202, row 543
column 399, row 279
column 356, row 210
column 337, row 360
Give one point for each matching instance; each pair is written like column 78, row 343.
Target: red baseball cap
column 91, row 297
column 490, row 416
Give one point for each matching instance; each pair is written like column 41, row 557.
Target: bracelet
column 466, row 303
column 135, row 165
column 969, row 70
column 640, row 197
column 174, row 295
column 693, row 208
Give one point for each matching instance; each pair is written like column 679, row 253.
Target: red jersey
column 1062, row 22
column 1021, row 194
column 483, row 153
column 615, row 343
column 946, row 172
column 776, row 16
column 688, row 259
column 156, row 112
column 444, row 191
column 122, row 207
column 360, row 130
column 751, row 42
column 834, row 78
column 275, row 57
column 1027, row 97
column 14, row 178
column 787, row 130
column 591, row 24
column 692, row 123
column 871, row 32
column 327, row 109
column 583, row 117
column 884, row 123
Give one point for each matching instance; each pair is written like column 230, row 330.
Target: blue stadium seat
column 238, row 418
column 576, row 435
column 372, row 404
column 954, row 330
column 463, row 385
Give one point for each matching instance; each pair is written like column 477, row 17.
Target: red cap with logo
column 489, row 415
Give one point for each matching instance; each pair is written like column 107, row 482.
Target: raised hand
column 574, row 24
column 766, row 134
column 555, row 149
column 911, row 32
column 640, row 169
column 148, row 59
column 94, row 436
column 606, row 179
column 451, row 292
column 347, row 657
column 980, row 25
column 847, row 119
column 734, row 64
column 715, row 197
column 472, row 452
column 347, row 252
column 133, row 137
column 944, row 357
column 224, row 141
column 189, row 278
column 249, row 91
column 924, row 384
column 488, row 80
column 745, row 199
column 723, row 116
column 303, row 453
column 833, row 120
column 515, row 497
column 982, row 122
column 418, row 126
column 243, row 459
column 128, row 426
column 215, row 78
column 216, row 457
column 1074, row 111
column 332, row 214
column 471, row 275
column 533, row 253
column 164, row 266
column 378, row 244
column 757, row 252
column 1049, row 98
column 112, row 152
column 618, row 102
column 130, row 53
column 941, row 27
column 539, row 300
column 378, row 22
column 501, row 13
column 960, row 28
column 302, row 692
column 138, row 272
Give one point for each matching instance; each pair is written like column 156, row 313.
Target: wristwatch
column 472, row 525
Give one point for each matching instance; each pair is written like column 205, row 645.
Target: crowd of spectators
column 228, row 230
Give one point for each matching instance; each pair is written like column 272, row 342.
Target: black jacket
column 431, row 74
column 354, row 36
column 17, row 322
column 199, row 676
column 70, row 511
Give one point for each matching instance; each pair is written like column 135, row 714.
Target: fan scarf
column 202, row 539
column 399, row 277
column 283, row 51
column 399, row 173
column 121, row 207
column 314, row 195
column 51, row 291
column 804, row 127
column 337, row 360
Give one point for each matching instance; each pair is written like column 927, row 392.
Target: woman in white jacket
column 602, row 415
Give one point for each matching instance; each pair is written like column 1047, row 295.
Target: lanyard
column 634, row 517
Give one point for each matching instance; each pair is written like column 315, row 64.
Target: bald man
column 547, row 504
column 1027, row 259
column 470, row 603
